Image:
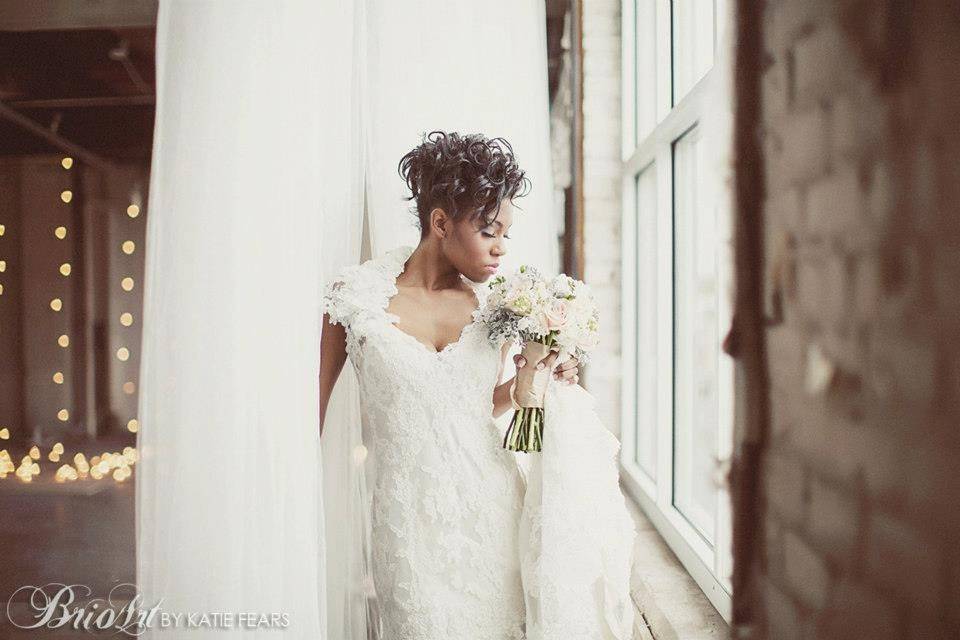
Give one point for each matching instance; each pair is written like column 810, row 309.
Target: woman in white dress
column 447, row 501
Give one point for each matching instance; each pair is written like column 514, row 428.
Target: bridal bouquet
column 557, row 314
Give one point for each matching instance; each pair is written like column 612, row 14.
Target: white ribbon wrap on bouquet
column 530, row 385
column 576, row 534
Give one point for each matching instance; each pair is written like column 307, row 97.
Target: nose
column 499, row 248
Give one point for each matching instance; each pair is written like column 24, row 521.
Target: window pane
column 696, row 342
column 646, row 315
column 645, row 52
column 692, row 43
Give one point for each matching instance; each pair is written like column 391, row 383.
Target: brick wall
column 860, row 476
column 602, row 198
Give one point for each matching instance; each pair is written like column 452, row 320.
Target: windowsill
column 669, row 604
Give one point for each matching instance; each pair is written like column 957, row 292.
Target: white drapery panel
column 273, row 131
column 228, row 515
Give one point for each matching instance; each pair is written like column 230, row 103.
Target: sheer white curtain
column 274, row 130
column 253, row 172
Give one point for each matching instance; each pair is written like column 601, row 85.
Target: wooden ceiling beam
column 48, row 15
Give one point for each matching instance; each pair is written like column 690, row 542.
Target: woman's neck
column 428, row 268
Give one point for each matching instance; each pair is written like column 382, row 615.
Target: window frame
column 655, row 151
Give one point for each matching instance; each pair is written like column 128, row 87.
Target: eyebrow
column 499, row 223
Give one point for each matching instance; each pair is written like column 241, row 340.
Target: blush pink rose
column 556, row 314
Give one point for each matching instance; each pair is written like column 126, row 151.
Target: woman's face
column 475, row 248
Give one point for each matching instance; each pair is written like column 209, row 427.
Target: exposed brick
column 856, row 611
column 783, row 613
column 953, row 589
column 840, row 450
column 833, row 521
column 805, row 153
column 904, row 562
column 806, row 571
column 773, row 544
column 858, row 128
column 858, row 122
column 602, row 194
column 904, row 369
column 785, row 210
column 866, row 287
column 786, row 486
column 822, row 283
column 835, row 204
column 933, row 483
column 785, row 348
column 822, row 63
column 785, row 21
column 775, row 92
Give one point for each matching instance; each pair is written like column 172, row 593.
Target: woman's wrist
column 501, row 397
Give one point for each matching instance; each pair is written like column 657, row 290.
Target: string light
column 116, row 465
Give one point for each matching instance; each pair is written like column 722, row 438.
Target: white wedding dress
column 456, row 550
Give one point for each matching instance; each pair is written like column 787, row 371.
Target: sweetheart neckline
column 403, row 253
column 429, row 349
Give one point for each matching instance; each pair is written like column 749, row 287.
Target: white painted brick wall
column 602, row 201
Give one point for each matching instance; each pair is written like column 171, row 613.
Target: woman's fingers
column 547, row 361
column 567, row 371
column 566, row 374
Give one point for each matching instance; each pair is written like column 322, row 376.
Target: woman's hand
column 567, row 371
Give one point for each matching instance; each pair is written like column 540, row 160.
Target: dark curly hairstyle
column 465, row 175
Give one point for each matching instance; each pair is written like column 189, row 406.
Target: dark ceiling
column 68, row 82
column 86, row 76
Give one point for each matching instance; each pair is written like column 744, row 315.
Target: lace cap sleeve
column 341, row 298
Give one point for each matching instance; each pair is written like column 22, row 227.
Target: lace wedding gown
column 447, row 498
column 462, row 547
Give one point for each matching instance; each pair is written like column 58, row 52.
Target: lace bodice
column 447, row 498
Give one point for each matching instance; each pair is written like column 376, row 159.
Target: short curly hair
column 465, row 175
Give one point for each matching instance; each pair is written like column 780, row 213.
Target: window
column 678, row 384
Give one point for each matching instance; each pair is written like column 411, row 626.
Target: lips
column 492, row 267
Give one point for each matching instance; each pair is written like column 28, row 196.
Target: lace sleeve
column 340, row 299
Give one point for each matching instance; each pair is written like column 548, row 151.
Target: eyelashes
column 490, row 235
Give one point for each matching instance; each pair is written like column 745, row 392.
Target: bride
column 449, row 523
column 447, row 501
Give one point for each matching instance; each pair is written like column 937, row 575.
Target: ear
column 439, row 222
